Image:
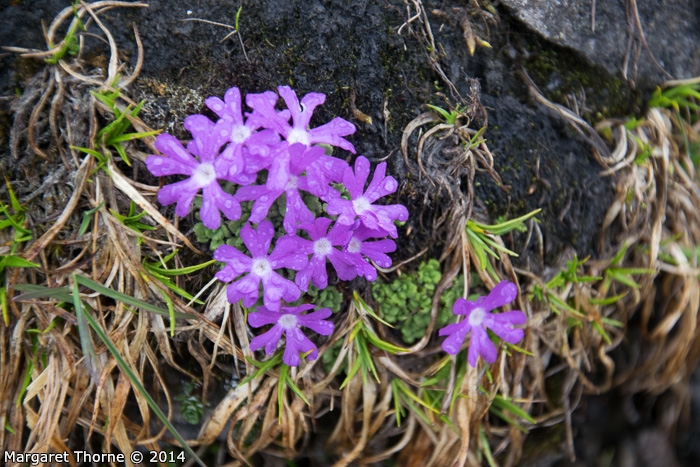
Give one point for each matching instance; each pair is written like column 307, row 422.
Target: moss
column 406, row 302
column 561, row 73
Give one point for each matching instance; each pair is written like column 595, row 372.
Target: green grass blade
column 113, row 294
column 62, row 294
column 178, row 272
column 296, row 390
column 136, row 383
column 280, row 391
column 486, row 448
column 91, row 361
column 132, row 136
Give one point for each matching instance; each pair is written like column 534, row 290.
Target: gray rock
column 671, row 29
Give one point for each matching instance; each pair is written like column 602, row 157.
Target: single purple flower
column 288, row 321
column 376, row 217
column 284, row 177
column 244, row 138
column 204, row 174
column 261, row 267
column 357, row 247
column 331, row 133
column 478, row 318
column 322, row 246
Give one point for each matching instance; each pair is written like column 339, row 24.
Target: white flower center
column 298, row 136
column 476, row 317
column 292, row 183
column 287, row 321
column 361, row 205
column 322, row 247
column 355, row 246
column 240, row 134
column 204, row 174
column 261, row 267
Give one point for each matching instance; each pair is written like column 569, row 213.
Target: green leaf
column 62, row 294
column 238, row 16
column 12, row 261
column 262, row 367
column 180, row 271
column 113, row 294
column 505, row 227
column 91, row 360
column 87, row 217
column 280, row 391
column 3, row 306
column 296, row 390
column 596, row 325
column 132, row 136
column 486, row 448
column 607, row 300
column 377, row 342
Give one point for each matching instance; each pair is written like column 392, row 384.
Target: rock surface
column 671, row 30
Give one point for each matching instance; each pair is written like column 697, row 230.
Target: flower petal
column 258, row 241
column 181, row 192
column 263, row 316
column 297, row 212
column 332, row 133
column 275, row 288
column 456, row 333
column 502, row 325
column 481, row 345
column 171, row 147
column 505, row 292
column 465, row 307
column 355, row 182
column 317, row 323
column 343, row 209
column 164, row 166
column 297, row 342
column 315, row 272
column 209, row 213
column 290, row 252
column 269, row 339
column 245, row 288
column 381, row 185
column 343, row 264
column 236, row 263
column 376, row 251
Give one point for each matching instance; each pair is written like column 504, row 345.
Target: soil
column 360, row 57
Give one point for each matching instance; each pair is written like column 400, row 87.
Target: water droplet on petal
column 158, row 161
column 227, row 203
column 390, row 185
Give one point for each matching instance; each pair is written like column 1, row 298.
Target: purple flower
column 246, row 143
column 357, row 247
column 376, row 217
column 204, row 174
column 261, row 267
column 331, row 133
column 284, row 177
column 288, row 321
column 321, row 246
column 478, row 318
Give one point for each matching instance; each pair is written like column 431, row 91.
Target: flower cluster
column 478, row 318
column 267, row 156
